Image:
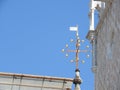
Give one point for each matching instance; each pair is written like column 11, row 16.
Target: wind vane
column 77, row 80
column 78, row 42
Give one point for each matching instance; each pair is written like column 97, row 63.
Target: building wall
column 12, row 81
column 107, row 75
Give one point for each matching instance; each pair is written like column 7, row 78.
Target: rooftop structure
column 12, row 81
column 77, row 80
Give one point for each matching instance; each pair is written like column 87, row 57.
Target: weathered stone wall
column 107, row 75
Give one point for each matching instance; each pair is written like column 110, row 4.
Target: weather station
column 78, row 42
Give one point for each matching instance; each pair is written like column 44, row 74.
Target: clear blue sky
column 33, row 32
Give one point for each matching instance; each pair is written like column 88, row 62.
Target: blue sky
column 33, row 32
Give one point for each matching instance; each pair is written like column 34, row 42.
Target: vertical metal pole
column 77, row 49
column 92, row 20
column 92, row 15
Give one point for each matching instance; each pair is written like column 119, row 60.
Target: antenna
column 77, row 80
